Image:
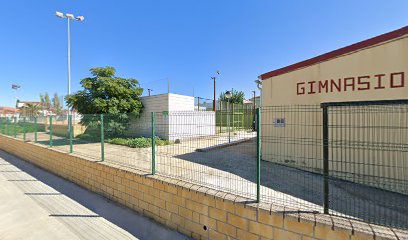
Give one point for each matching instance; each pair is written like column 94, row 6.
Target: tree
column 237, row 97
column 104, row 93
column 47, row 101
column 30, row 109
column 56, row 104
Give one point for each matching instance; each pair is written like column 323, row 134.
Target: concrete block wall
column 187, row 207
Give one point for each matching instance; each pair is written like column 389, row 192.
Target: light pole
column 149, row 90
column 69, row 17
column 228, row 95
column 15, row 87
column 259, row 86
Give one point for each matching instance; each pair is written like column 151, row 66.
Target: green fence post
column 50, row 128
column 35, row 129
column 325, row 160
column 15, row 127
column 71, row 150
column 153, row 143
column 24, row 128
column 7, row 127
column 258, row 155
column 102, row 140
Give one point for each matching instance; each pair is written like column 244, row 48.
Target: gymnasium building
column 365, row 86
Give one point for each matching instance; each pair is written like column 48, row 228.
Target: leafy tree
column 42, row 98
column 30, row 109
column 56, row 104
column 237, row 97
column 47, row 101
column 104, row 93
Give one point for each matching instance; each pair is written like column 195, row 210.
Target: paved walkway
column 36, row 204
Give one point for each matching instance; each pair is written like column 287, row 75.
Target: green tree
column 104, row 93
column 56, row 104
column 30, row 110
column 47, row 101
column 237, row 97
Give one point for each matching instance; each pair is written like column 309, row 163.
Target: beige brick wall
column 188, row 208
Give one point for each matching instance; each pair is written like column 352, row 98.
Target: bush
column 140, row 142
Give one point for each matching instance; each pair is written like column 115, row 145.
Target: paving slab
column 35, row 204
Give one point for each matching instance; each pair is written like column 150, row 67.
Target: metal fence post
column 15, row 127
column 71, row 150
column 326, row 160
column 7, row 127
column 24, row 128
column 102, row 140
column 35, row 129
column 50, row 128
column 153, row 143
column 258, row 155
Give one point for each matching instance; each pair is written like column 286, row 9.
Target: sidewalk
column 38, row 205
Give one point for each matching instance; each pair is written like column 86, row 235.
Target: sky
column 180, row 41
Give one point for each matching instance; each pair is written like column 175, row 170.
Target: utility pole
column 150, row 90
column 215, row 88
column 254, row 112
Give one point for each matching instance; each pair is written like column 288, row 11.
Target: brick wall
column 187, row 207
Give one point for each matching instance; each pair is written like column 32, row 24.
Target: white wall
column 175, row 118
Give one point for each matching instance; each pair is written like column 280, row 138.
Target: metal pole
column 153, row 143
column 228, row 121
column 214, row 103
column 258, row 154
column 71, row 150
column 50, row 128
column 102, row 140
column 7, row 127
column 69, row 63
column 35, row 129
column 15, row 127
column 24, row 128
column 326, row 160
column 253, row 124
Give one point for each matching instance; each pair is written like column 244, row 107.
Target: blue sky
column 182, row 40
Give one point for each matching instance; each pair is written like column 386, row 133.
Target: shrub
column 140, row 142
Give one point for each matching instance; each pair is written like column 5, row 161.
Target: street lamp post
column 228, row 95
column 15, row 87
column 69, row 17
column 259, row 86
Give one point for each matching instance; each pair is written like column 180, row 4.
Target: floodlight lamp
column 228, row 94
column 258, row 84
column 59, row 14
column 70, row 15
column 80, row 18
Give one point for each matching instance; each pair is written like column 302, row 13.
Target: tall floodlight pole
column 15, row 87
column 69, row 17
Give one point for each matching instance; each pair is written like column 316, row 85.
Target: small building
column 176, row 118
column 372, row 70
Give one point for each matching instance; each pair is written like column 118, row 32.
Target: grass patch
column 140, row 142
